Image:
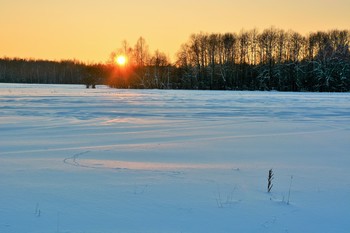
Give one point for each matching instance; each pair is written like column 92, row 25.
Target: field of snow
column 76, row 160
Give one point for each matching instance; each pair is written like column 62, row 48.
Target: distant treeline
column 18, row 70
column 273, row 59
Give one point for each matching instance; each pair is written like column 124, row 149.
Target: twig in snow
column 269, row 181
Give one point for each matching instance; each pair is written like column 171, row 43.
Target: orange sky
column 89, row 30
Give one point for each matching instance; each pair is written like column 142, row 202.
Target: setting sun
column 121, row 60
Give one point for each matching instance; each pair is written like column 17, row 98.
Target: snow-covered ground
column 76, row 160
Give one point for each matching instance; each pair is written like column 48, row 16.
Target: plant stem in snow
column 269, row 181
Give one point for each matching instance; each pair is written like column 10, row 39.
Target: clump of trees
column 142, row 69
column 18, row 70
column 273, row 59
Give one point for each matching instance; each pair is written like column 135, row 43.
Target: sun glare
column 121, row 60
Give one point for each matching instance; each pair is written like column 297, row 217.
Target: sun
column 121, row 60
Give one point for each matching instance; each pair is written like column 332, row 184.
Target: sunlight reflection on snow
column 115, row 164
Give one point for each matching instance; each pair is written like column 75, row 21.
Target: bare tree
column 159, row 63
column 141, row 52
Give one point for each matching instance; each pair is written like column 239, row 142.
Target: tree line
column 19, row 70
column 273, row 59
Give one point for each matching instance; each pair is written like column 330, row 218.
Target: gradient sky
column 89, row 30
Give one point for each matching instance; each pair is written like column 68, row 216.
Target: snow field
column 107, row 160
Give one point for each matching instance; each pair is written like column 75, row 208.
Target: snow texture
column 76, row 160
